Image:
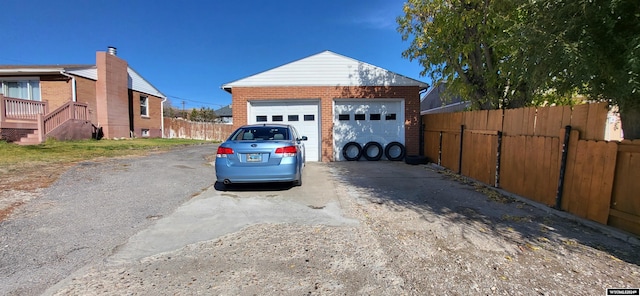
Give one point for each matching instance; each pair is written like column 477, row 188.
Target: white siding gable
column 90, row 73
column 137, row 83
column 326, row 69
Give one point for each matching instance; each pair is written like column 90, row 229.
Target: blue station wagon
column 261, row 153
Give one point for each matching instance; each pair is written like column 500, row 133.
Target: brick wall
column 327, row 94
column 55, row 90
column 86, row 93
column 153, row 122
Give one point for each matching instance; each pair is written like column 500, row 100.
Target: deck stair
column 68, row 122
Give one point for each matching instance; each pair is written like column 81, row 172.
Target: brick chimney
column 112, row 94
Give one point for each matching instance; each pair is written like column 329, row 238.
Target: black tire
column 388, row 151
column 220, row 186
column 298, row 182
column 349, row 147
column 416, row 159
column 366, row 151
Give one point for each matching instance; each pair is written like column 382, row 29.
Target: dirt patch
column 24, row 182
column 31, row 177
column 5, row 212
column 20, row 185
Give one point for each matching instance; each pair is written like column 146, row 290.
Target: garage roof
column 326, row 69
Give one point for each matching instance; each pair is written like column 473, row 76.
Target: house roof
column 326, row 69
column 135, row 82
column 224, row 111
column 432, row 102
column 35, row 69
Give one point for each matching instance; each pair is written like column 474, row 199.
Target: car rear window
column 261, row 133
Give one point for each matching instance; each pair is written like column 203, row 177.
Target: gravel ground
column 90, row 211
column 417, row 231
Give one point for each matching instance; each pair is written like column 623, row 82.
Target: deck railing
column 68, row 111
column 19, row 109
column 34, row 114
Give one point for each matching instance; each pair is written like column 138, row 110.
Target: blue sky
column 188, row 49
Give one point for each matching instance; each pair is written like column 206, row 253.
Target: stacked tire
column 416, row 159
column 373, row 151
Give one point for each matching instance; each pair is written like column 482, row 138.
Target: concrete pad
column 216, row 213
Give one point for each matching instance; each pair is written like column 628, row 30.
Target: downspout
column 421, row 125
column 162, row 117
column 73, row 85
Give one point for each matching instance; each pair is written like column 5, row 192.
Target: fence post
column 498, row 153
column 460, row 156
column 3, row 108
column 421, row 142
column 440, row 150
column 563, row 166
column 41, row 130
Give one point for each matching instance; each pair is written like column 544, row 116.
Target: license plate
column 254, row 157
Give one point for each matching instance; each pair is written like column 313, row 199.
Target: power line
column 193, row 101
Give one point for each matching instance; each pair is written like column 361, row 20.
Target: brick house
column 333, row 100
column 72, row 101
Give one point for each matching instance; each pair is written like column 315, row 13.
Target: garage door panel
column 363, row 121
column 304, row 116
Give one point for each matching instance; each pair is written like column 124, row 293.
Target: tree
column 461, row 42
column 202, row 115
column 170, row 111
column 501, row 53
column 587, row 46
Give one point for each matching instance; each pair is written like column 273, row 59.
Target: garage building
column 332, row 99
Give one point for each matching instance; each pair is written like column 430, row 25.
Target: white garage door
column 303, row 115
column 366, row 120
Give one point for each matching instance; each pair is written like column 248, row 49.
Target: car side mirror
column 304, row 138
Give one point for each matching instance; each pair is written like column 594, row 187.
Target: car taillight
column 224, row 151
column 287, row 151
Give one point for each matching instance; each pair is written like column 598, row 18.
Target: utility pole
column 184, row 114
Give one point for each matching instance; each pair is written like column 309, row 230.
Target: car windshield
column 261, row 133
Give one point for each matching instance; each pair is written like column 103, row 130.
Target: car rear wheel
column 299, row 181
column 220, row 186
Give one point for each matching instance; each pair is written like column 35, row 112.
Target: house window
column 374, row 116
column 21, row 88
column 144, row 106
column 292, row 118
column 391, row 116
column 360, row 117
column 343, row 117
column 276, row 118
column 145, row 133
column 309, row 117
column 261, row 118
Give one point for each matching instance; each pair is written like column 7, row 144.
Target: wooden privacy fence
column 185, row 129
column 525, row 151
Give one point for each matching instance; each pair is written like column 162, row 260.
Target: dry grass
column 27, row 168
